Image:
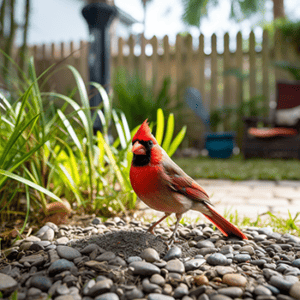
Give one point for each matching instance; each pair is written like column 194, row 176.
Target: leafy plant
column 293, row 69
column 290, row 31
column 46, row 155
column 137, row 98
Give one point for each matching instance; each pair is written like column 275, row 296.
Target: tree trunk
column 278, row 9
column 23, row 50
column 10, row 39
column 2, row 17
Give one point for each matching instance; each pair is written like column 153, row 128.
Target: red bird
column 164, row 186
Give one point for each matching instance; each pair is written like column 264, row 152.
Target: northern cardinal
column 164, row 186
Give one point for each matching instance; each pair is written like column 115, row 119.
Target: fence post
column 99, row 17
column 214, row 74
column 252, row 61
column 265, row 69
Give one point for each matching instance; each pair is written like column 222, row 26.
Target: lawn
column 237, row 168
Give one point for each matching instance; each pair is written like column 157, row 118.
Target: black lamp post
column 99, row 17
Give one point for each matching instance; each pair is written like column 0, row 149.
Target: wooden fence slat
column 154, row 45
column 120, row 58
column 201, row 70
column 239, row 59
column 131, row 62
column 265, row 68
column 62, row 50
column 52, row 52
column 227, row 98
column 142, row 62
column 44, row 53
column 83, row 60
column 166, row 56
column 214, row 74
column 178, row 62
column 188, row 65
column 252, row 66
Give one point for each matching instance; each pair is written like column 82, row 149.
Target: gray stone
column 59, row 266
column 180, row 291
column 41, row 282
column 295, row 290
column 33, row 292
column 48, row 235
column 62, row 241
column 296, row 263
column 261, row 290
column 217, row 259
column 149, row 287
column 134, row 294
column 65, row 297
column 108, row 296
column 233, row 292
column 176, row 266
column 106, row 256
column 144, row 268
column 205, row 244
column 25, row 246
column 194, row 264
column 7, row 284
column 157, row 279
column 68, row 253
column 62, row 289
column 118, row 261
column 89, row 249
column 174, row 252
column 32, row 238
column 100, row 287
column 219, row 297
column 150, row 255
column 242, row 258
column 31, row 258
column 132, row 259
column 221, row 270
column 155, row 296
column 248, row 249
column 280, row 283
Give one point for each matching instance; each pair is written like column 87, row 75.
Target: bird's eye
column 150, row 143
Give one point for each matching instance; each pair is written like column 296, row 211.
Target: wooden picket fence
column 186, row 64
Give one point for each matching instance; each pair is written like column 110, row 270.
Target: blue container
column 220, row 145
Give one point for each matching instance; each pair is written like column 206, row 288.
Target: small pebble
column 150, row 255
column 176, row 266
column 234, row 280
column 217, row 259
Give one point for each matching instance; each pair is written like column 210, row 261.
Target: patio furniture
column 280, row 138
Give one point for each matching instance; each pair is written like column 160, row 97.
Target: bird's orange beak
column 138, row 149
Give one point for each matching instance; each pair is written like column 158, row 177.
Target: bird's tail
column 224, row 226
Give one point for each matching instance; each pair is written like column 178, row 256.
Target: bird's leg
column 156, row 223
column 172, row 239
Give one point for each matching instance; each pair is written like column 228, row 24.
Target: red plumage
column 164, row 186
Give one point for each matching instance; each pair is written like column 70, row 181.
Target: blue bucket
column 220, row 145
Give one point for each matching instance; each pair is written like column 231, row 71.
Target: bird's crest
column 144, row 133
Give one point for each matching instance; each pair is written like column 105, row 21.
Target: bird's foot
column 172, row 241
column 151, row 230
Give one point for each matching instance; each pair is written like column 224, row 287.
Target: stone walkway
column 250, row 198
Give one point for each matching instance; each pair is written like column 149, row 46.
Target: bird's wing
column 180, row 182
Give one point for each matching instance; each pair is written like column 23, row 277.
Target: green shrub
column 138, row 99
column 48, row 155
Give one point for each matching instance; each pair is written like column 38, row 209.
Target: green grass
column 237, row 168
column 279, row 224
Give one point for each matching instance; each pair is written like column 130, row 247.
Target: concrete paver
column 249, row 198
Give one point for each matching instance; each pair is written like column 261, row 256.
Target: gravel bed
column 118, row 260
